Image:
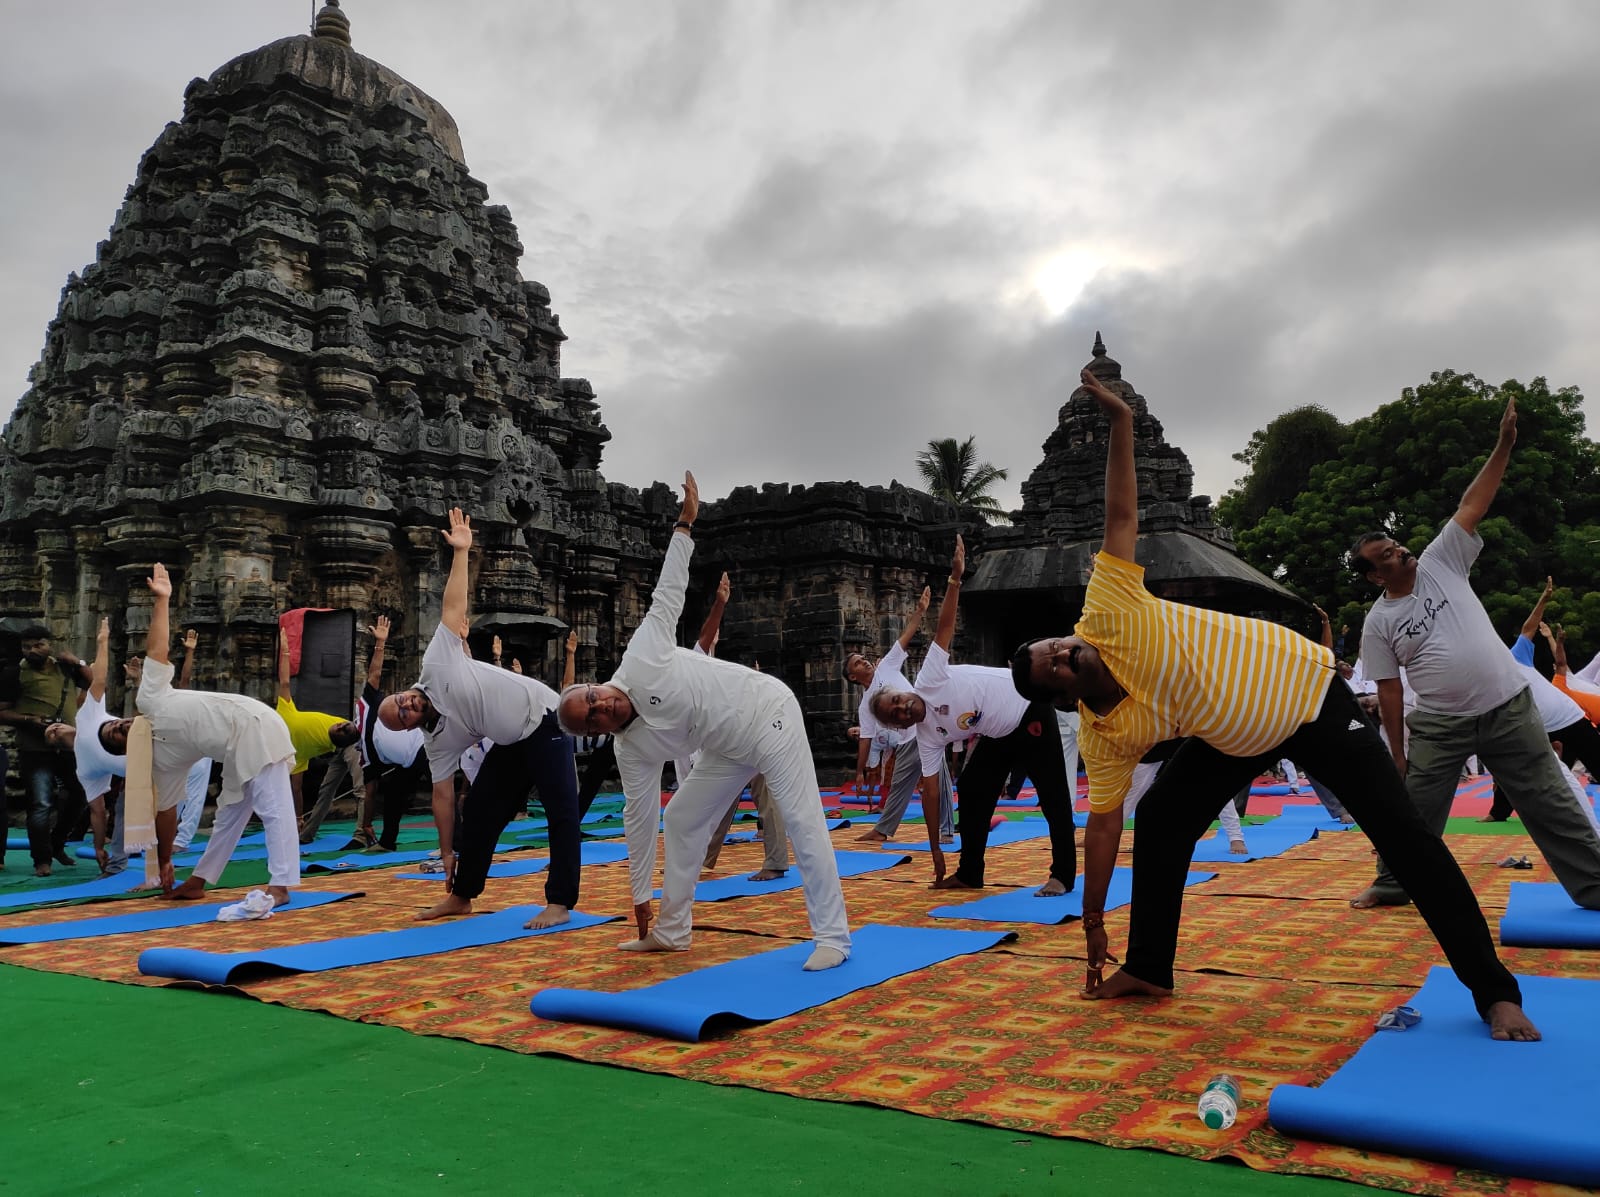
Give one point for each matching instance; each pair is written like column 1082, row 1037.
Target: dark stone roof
column 1177, row 565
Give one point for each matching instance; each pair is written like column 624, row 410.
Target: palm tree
column 952, row 471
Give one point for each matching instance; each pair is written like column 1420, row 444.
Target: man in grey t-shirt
column 459, row 701
column 1471, row 698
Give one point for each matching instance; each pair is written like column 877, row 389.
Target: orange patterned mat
column 1276, row 991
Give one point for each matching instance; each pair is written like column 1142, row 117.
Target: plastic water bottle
column 1219, row 1102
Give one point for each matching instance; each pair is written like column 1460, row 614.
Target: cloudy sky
column 793, row 241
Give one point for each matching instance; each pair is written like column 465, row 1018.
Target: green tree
column 952, row 471
column 1281, row 457
column 1402, row 470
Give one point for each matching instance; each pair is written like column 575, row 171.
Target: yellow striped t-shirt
column 1241, row 685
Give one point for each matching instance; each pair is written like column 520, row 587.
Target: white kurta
column 742, row 722
column 245, row 735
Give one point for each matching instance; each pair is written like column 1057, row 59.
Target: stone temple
column 306, row 336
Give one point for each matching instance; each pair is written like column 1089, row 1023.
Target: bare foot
column 42, row 870
column 1121, row 984
column 551, row 916
column 1237, row 848
column 1374, row 896
column 952, row 882
column 767, row 874
column 1052, row 888
column 280, row 895
column 872, row 836
column 191, row 890
column 447, row 907
column 1507, row 1021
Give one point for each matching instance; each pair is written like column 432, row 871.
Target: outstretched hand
column 102, row 634
column 380, row 629
column 572, row 641
column 1508, row 422
column 923, row 600
column 958, row 560
column 159, row 582
column 1110, row 402
column 724, row 588
column 641, row 918
column 691, row 499
column 191, row 639
column 459, row 534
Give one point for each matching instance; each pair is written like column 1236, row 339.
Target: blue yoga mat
column 1264, row 841
column 100, row 887
column 163, row 916
column 851, row 864
column 1315, row 815
column 591, row 854
column 1443, row 1090
column 538, row 829
column 762, row 987
column 428, row 939
column 1010, row 832
column 1541, row 915
column 379, row 860
column 1021, row 906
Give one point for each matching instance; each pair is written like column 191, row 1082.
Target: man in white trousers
column 665, row 702
column 245, row 735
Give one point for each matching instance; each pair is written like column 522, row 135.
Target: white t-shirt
column 476, row 700
column 1556, row 710
column 1441, row 634
column 891, row 673
column 96, row 766
column 962, row 701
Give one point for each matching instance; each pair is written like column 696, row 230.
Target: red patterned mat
column 1279, row 991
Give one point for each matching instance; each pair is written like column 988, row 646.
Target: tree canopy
column 1402, row 470
column 952, row 471
column 1281, row 457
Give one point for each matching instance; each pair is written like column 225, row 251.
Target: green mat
column 209, row 1094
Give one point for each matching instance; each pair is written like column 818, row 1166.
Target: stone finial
column 332, row 24
column 1105, row 367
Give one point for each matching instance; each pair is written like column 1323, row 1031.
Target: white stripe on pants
column 784, row 755
column 267, row 795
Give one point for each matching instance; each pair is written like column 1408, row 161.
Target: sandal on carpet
column 1514, row 862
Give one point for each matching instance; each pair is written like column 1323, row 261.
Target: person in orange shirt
column 1245, row 692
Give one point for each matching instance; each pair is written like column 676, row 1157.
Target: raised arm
column 496, row 649
column 656, row 638
column 950, row 605
column 1326, row 638
column 713, row 623
column 1481, row 490
column 155, row 643
column 1122, row 482
column 191, row 641
column 453, row 613
column 102, row 661
column 380, row 637
column 283, row 667
column 1536, row 616
column 919, row 612
column 569, row 667
column 1558, row 648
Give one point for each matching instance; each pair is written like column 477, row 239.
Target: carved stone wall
column 303, row 340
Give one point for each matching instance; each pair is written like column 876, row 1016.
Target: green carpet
column 126, row 1090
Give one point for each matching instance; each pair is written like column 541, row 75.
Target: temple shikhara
column 306, row 336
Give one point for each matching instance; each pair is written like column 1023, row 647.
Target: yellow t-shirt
column 1241, row 685
column 308, row 732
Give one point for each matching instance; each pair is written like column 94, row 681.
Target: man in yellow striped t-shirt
column 1244, row 692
